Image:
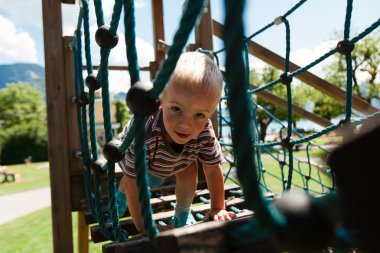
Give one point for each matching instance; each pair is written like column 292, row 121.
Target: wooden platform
column 161, row 206
column 211, row 237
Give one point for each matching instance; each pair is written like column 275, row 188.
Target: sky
column 313, row 29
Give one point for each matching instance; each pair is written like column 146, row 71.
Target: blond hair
column 196, row 71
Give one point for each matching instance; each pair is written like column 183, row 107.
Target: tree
column 267, row 75
column 366, row 66
column 122, row 115
column 23, row 124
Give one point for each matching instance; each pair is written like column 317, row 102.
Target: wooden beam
column 278, row 101
column 56, row 102
column 320, row 84
column 212, row 237
column 158, row 34
column 76, row 164
column 145, row 68
column 203, row 38
column 83, row 233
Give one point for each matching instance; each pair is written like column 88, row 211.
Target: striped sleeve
column 211, row 151
column 127, row 164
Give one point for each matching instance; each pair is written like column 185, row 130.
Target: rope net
column 247, row 155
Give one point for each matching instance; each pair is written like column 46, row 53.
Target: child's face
column 185, row 113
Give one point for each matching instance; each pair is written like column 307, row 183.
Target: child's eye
column 199, row 116
column 176, row 109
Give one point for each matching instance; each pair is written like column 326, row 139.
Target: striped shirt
column 162, row 160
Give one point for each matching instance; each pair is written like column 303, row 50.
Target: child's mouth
column 182, row 136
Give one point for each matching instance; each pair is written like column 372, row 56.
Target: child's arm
column 215, row 185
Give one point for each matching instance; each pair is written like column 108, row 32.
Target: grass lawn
column 33, row 233
column 33, row 176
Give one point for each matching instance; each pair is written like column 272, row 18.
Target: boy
column 179, row 134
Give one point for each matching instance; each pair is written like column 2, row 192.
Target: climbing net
column 142, row 99
column 314, row 178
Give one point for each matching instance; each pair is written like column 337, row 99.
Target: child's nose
column 185, row 122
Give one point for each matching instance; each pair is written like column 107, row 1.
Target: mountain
column 119, row 96
column 33, row 74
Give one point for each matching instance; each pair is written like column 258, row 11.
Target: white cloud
column 17, row 45
column 303, row 57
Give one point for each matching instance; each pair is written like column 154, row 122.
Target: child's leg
column 121, row 198
column 186, row 184
column 133, row 202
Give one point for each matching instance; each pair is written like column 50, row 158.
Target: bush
column 21, row 141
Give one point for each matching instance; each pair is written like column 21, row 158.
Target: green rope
column 347, row 24
column 142, row 179
column 239, row 107
column 130, row 41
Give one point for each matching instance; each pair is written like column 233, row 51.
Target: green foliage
column 366, row 66
column 122, row 115
column 267, row 75
column 23, row 126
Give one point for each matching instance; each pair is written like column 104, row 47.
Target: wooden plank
column 166, row 216
column 76, row 164
column 158, row 34
column 211, row 237
column 59, row 156
column 278, row 101
column 83, row 233
column 320, row 84
column 161, row 203
column 133, row 245
column 96, row 67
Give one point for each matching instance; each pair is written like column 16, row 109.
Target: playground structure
column 66, row 169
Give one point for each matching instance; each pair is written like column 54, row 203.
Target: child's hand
column 219, row 215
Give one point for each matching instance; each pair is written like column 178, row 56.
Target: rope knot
column 139, row 100
column 285, row 79
column 344, row 47
column 96, row 169
column 111, row 151
column 104, row 37
column 92, row 83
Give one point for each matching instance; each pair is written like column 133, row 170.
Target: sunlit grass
column 33, row 176
column 33, row 233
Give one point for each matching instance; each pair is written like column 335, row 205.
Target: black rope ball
column 104, row 38
column 344, row 47
column 308, row 227
column 96, row 169
column 92, row 83
column 139, row 101
column 111, row 152
column 285, row 79
column 82, row 99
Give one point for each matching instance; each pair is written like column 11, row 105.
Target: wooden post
column 59, row 156
column 203, row 38
column 158, row 34
column 83, row 233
